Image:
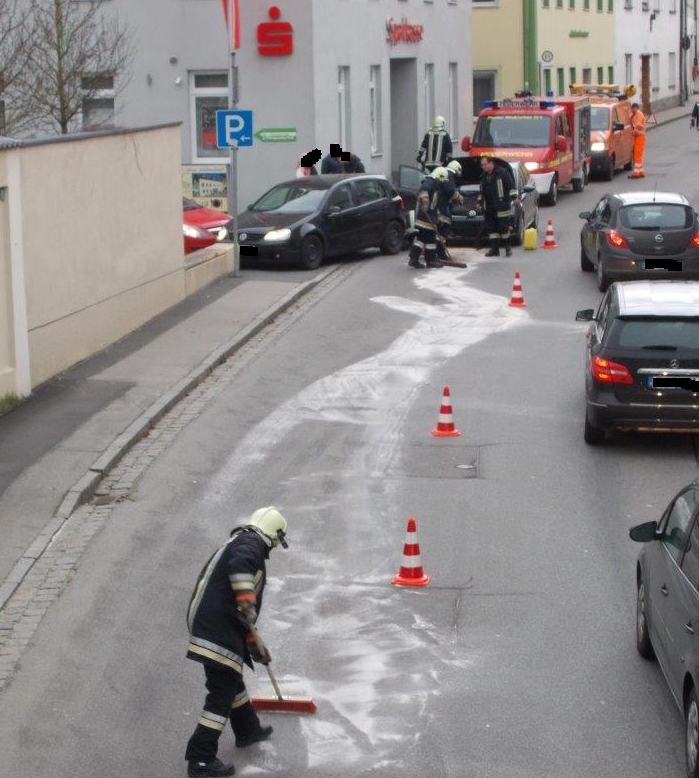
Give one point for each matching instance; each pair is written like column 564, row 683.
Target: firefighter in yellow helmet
column 222, row 611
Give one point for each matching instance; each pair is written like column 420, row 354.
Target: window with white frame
column 655, row 73
column 375, row 109
column 98, row 101
column 208, row 93
column 628, row 68
column 429, row 94
column 453, row 97
column 343, row 106
column 672, row 68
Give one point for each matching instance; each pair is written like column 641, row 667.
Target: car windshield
column 290, row 198
column 657, row 216
column 599, row 118
column 664, row 334
column 508, row 130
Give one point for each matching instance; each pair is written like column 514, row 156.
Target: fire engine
column 550, row 136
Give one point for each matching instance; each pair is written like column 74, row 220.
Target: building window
column 343, row 106
column 610, row 6
column 429, row 94
column 453, row 97
column 483, row 87
column 559, row 3
column 544, row 3
column 672, row 65
column 208, row 93
column 561, row 79
column 600, row 5
column 628, row 68
column 573, row 76
column 587, row 75
column 610, row 74
column 586, row 5
column 375, row 109
column 600, row 75
column 655, row 73
column 547, row 80
column 571, row 5
column 97, row 102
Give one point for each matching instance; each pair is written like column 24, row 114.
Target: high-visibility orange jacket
column 638, row 122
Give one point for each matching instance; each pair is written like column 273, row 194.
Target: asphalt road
column 517, row 660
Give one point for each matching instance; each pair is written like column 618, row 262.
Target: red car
column 202, row 226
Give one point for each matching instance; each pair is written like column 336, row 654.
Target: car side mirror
column 528, row 188
column 587, row 314
column 644, row 533
column 333, row 209
column 465, row 143
column 585, row 215
column 561, row 143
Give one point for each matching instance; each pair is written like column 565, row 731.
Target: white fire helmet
column 455, row 167
column 439, row 123
column 270, row 523
column 440, row 173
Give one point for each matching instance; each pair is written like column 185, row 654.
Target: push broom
column 278, row 703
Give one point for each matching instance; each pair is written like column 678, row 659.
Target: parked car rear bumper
column 613, row 415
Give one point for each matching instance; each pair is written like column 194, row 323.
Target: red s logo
column 275, row 39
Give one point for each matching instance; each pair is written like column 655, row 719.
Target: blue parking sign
column 233, row 128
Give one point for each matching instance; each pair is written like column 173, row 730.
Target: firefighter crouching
column 225, row 603
column 497, row 193
column 448, row 196
column 426, row 220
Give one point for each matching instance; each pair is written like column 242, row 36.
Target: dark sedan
column 640, row 235
column 667, row 606
column 467, row 221
column 307, row 219
column 642, row 369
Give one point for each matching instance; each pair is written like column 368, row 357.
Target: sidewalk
column 57, row 446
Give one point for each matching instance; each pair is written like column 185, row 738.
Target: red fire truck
column 550, row 136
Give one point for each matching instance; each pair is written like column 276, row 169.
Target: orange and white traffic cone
column 445, row 423
column 517, row 299
column 411, row 572
column 550, row 240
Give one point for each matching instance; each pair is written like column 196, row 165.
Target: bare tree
column 16, row 37
column 80, row 59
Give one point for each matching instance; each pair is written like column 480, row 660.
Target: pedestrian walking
column 332, row 162
column 638, row 129
column 694, row 122
column 496, row 196
column 307, row 164
column 436, row 147
column 222, row 613
column 426, row 217
column 351, row 163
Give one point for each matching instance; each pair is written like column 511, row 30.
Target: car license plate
column 691, row 383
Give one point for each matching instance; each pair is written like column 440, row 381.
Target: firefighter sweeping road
column 517, row 657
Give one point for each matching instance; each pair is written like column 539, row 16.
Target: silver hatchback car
column 632, row 235
column 667, row 606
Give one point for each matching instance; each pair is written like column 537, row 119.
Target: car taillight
column 695, row 239
column 607, row 372
column 617, row 240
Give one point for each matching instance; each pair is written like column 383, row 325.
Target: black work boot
column 209, row 769
column 432, row 259
column 261, row 734
column 494, row 251
column 507, row 247
column 414, row 256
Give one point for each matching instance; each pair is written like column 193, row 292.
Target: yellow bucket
column 530, row 238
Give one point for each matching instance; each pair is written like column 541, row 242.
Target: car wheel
column 392, row 238
column 691, row 738
column 311, row 252
column 552, row 196
column 593, row 435
column 643, row 644
column 518, row 234
column 609, row 171
column 629, row 164
column 602, row 280
column 585, row 264
column 579, row 183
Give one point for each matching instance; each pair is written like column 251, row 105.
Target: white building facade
column 367, row 74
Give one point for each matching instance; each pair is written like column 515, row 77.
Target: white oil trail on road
column 362, row 634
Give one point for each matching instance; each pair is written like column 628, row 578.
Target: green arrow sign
column 276, row 134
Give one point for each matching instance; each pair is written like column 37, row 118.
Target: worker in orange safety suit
column 638, row 128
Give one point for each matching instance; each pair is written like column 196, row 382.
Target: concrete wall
column 7, row 357
column 94, row 242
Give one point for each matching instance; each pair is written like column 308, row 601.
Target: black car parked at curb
column 667, row 606
column 642, row 371
column 305, row 220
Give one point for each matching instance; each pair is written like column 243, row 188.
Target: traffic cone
column 550, row 240
column 411, row 572
column 517, row 299
column 445, row 424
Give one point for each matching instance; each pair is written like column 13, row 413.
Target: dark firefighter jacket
column 217, row 629
column 436, row 148
column 497, row 192
column 426, row 206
